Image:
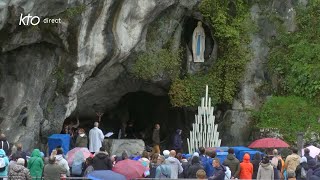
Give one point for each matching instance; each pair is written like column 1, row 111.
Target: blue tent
column 222, row 156
column 62, row 140
column 238, row 149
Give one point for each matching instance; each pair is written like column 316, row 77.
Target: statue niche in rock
column 198, row 43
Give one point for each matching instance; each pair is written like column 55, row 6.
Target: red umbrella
column 129, row 168
column 268, row 143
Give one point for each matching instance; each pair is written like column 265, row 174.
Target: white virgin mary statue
column 198, row 43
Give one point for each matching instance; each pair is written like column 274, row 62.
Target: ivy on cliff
column 290, row 115
column 230, row 23
column 295, row 58
column 294, row 62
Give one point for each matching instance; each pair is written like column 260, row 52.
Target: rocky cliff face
column 83, row 63
column 49, row 69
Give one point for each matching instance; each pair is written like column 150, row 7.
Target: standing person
column 130, row 132
column 277, row 164
column 53, row 171
column 20, row 154
column 246, row 168
column 61, row 161
column 177, row 141
column 19, row 172
column 4, row 163
column 203, row 157
column 219, row 170
column 291, row 163
column 89, row 167
column 95, row 138
column 156, row 139
column 153, row 165
column 307, row 154
column 163, row 170
column 82, row 139
column 201, row 174
column 35, row 164
column 174, row 164
column 101, row 160
column 193, row 169
column 265, row 171
column 4, row 144
column 302, row 169
column 209, row 168
column 233, row 163
column 256, row 163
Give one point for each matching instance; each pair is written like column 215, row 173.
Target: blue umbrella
column 105, row 175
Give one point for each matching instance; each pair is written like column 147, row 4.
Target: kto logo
column 26, row 20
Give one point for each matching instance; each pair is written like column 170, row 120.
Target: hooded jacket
column 195, row 166
column 234, row 164
column 219, row 173
column 256, row 164
column 265, row 171
column 175, row 167
column 292, row 161
column 246, row 168
column 63, row 163
column 35, row 164
column 19, row 172
column 6, row 159
column 101, row 161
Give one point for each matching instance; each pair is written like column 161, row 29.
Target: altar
column 117, row 146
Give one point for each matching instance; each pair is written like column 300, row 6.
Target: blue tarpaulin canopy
column 62, row 140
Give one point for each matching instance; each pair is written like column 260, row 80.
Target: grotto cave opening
column 144, row 110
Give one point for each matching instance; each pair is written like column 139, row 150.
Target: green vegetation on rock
column 289, row 115
column 156, row 63
column 295, row 56
column 231, row 25
column 294, row 64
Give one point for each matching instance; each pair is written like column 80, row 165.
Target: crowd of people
column 203, row 164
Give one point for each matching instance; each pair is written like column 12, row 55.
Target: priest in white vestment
column 95, row 138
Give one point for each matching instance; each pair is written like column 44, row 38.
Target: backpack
column 76, row 168
column 2, row 164
column 303, row 173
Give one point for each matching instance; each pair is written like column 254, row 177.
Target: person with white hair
column 95, row 138
column 18, row 171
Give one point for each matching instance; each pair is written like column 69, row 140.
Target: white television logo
column 26, row 20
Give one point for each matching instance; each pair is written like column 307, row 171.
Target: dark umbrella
column 105, row 175
column 268, row 143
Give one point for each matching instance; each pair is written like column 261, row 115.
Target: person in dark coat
column 233, row 163
column 303, row 164
column 82, row 139
column 101, row 161
column 256, row 163
column 20, row 154
column 219, row 170
column 195, row 166
column 315, row 175
column 177, row 141
column 307, row 154
column 4, row 144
